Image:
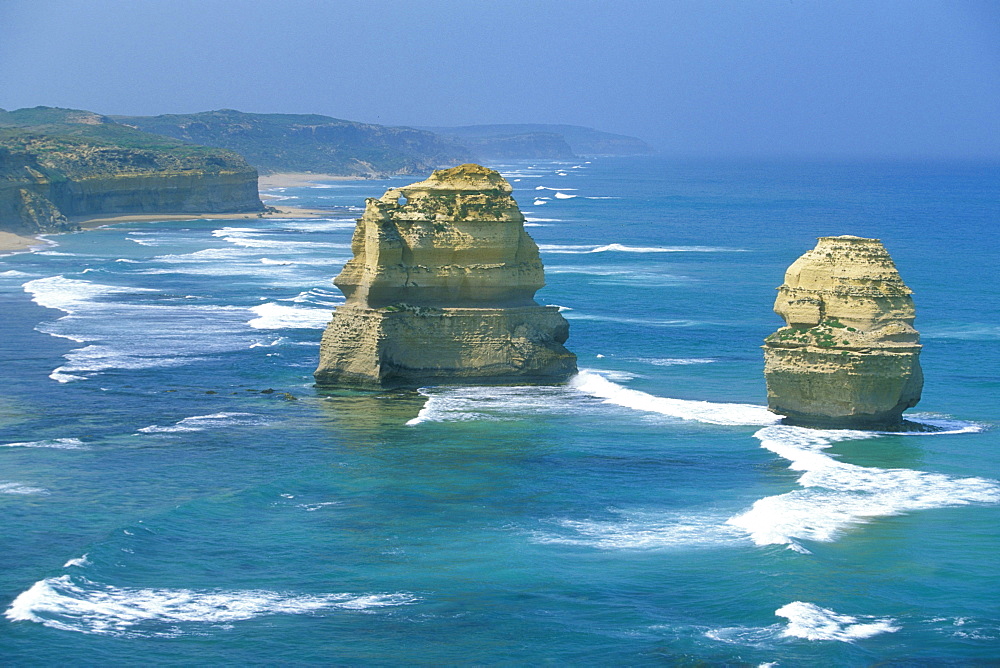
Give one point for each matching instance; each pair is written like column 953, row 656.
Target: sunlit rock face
column 848, row 355
column 441, row 290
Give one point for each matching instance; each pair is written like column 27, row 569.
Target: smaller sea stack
column 441, row 291
column 848, row 355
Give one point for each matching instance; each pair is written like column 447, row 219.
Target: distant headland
column 63, row 169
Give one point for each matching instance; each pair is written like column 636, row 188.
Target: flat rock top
column 468, row 177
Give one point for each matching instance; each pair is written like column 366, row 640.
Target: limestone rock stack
column 848, row 355
column 441, row 290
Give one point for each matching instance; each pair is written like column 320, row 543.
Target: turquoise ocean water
column 174, row 491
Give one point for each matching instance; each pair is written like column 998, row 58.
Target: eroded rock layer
column 441, row 290
column 848, row 355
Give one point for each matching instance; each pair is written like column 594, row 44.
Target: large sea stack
column 441, row 291
column 848, row 355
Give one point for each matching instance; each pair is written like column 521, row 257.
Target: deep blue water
column 161, row 504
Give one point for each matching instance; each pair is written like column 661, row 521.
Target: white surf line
column 837, row 495
column 594, row 384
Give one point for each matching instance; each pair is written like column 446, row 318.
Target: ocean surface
column 174, row 490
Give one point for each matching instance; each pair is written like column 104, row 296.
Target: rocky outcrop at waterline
column 56, row 163
column 441, row 290
column 848, row 355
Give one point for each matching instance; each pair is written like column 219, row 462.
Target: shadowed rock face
column 848, row 355
column 441, row 290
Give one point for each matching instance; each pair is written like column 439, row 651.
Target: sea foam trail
column 19, row 488
column 55, row 443
column 836, row 495
column 622, row 248
column 595, row 385
column 505, row 403
column 643, row 530
column 77, row 604
column 203, row 422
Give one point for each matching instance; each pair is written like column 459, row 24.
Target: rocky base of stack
column 842, row 388
column 403, row 346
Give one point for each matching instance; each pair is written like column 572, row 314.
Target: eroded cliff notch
column 441, row 290
column 848, row 355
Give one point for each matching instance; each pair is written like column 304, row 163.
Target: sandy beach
column 12, row 243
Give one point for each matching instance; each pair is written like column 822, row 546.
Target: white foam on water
column 811, row 622
column 131, row 333
column 317, row 296
column 595, row 385
column 13, row 273
column 203, row 422
column 127, row 261
column 279, row 316
column 667, row 322
column 806, row 621
column 267, row 260
column 576, row 249
column 614, row 375
column 674, row 361
column 313, row 507
column 269, row 344
column 836, row 495
column 531, row 219
column 539, row 202
column 78, row 562
column 643, row 530
column 547, row 188
column 504, row 403
column 561, row 195
column 56, row 443
column 252, row 238
column 77, row 604
column 20, row 488
column 319, row 224
column 60, row 376
column 464, row 404
column 71, row 294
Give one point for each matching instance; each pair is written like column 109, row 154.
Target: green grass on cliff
column 81, row 142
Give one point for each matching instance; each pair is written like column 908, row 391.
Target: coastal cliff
column 441, row 290
column 56, row 163
column 848, row 355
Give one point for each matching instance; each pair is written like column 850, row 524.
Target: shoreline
column 15, row 243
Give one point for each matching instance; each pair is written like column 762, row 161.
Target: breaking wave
column 76, row 604
column 836, row 495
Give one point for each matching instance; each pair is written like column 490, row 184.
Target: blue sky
column 817, row 78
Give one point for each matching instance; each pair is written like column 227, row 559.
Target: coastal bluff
column 59, row 163
column 440, row 290
column 848, row 355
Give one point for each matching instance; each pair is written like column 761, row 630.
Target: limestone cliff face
column 441, row 290
column 70, row 163
column 848, row 355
